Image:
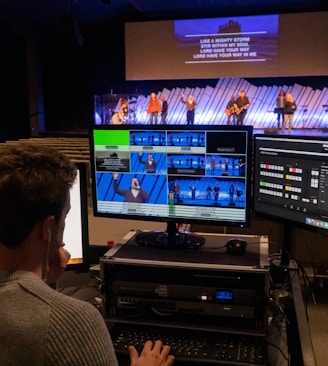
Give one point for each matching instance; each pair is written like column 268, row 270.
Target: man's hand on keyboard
column 153, row 354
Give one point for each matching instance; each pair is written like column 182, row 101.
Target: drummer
column 124, row 107
column 121, row 112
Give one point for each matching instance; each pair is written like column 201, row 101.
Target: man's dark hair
column 34, row 182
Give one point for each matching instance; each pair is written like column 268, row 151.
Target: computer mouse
column 236, row 246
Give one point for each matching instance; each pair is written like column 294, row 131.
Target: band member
column 150, row 164
column 213, row 165
column 120, row 117
column 231, row 192
column 190, row 106
column 164, row 109
column 154, row 108
column 134, row 194
column 239, row 193
column 226, row 165
column 216, row 191
column 290, row 108
column 124, row 107
column 176, row 189
column 193, row 191
column 280, row 106
column 241, row 106
column 230, row 111
column 208, row 192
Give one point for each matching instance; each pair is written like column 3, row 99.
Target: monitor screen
column 291, row 179
column 76, row 236
column 175, row 174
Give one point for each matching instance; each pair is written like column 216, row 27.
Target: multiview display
column 198, row 174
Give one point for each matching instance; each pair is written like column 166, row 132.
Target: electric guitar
column 239, row 110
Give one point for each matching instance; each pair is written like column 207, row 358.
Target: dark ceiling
column 47, row 14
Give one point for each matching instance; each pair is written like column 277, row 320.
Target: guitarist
column 230, row 111
column 241, row 105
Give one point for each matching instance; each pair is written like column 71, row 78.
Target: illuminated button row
column 295, row 197
column 271, row 174
column 293, row 189
column 271, row 185
column 294, row 177
column 295, row 170
column 270, row 193
column 312, row 200
column 272, row 167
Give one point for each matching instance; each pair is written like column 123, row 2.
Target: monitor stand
column 172, row 238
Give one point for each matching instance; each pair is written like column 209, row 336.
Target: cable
column 280, row 350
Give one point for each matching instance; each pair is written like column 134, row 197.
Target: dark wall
column 74, row 73
column 13, row 90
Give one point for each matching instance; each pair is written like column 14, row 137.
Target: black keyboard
column 194, row 345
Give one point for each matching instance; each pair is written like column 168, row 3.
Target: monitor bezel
column 169, row 220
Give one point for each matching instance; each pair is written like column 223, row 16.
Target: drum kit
column 126, row 114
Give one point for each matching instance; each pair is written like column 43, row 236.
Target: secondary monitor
column 76, row 234
column 291, row 179
column 174, row 174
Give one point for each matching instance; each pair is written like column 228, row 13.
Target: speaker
column 272, row 130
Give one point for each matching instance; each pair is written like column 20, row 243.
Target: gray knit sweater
column 39, row 326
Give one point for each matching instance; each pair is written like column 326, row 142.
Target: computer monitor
column 174, row 174
column 291, row 179
column 76, row 234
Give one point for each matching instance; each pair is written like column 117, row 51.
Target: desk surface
column 212, row 254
